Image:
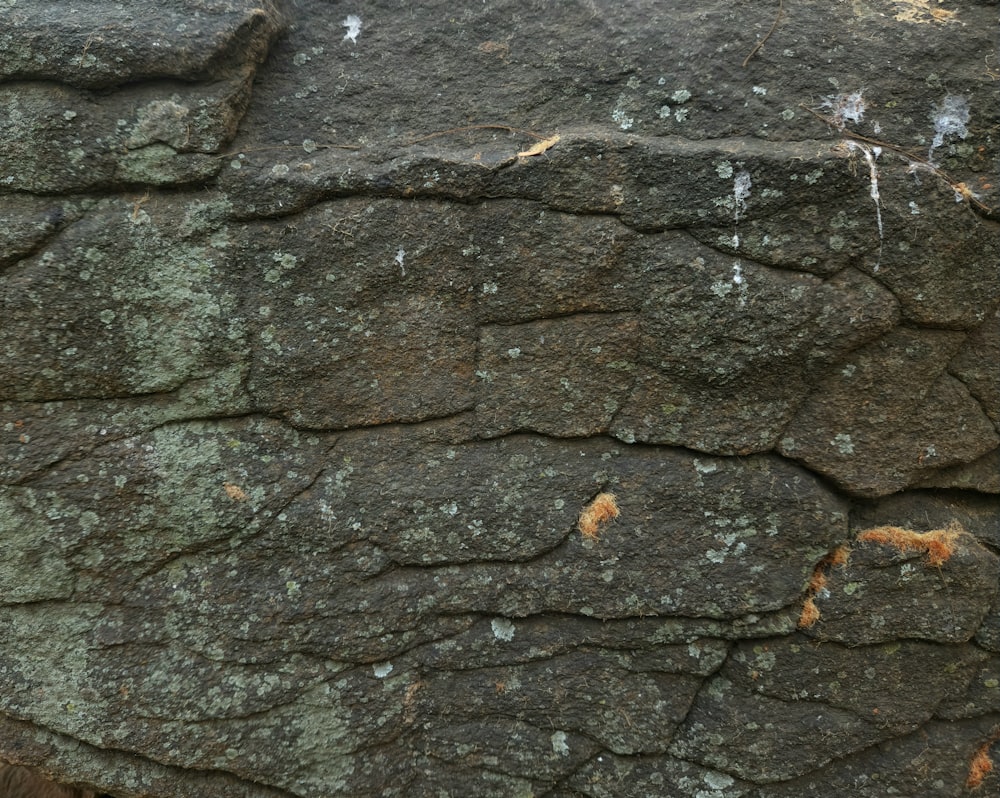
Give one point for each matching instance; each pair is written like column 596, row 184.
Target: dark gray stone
column 323, row 324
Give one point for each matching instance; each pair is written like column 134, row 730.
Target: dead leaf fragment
column 540, row 147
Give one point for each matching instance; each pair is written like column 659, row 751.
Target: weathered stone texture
column 322, row 325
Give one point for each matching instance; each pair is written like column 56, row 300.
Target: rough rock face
column 323, row 323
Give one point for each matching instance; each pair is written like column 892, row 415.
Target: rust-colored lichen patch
column 938, row 544
column 839, row 556
column 809, row 614
column 602, row 509
column 235, row 492
column 817, row 582
column 982, row 764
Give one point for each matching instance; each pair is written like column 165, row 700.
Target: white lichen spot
column 721, row 288
column 914, row 208
column 760, row 91
column 705, row 468
column 490, row 288
column 514, row 352
column 382, row 669
column 717, row 781
column 280, row 169
column 559, row 745
column 503, row 629
column 788, row 114
column 300, row 58
column 292, row 588
column 623, row 120
column 286, row 259
column 843, row 443
column 633, row 82
column 664, row 112
column 950, row 119
column 681, row 96
column 724, row 169
column 813, row 177
column 309, row 145
column 400, row 256
column 681, row 114
column 353, row 25
column 69, row 116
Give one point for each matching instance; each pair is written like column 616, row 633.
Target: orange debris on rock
column 235, row 492
column 810, row 610
column 810, row 613
column 981, row 765
column 938, row 544
column 603, row 508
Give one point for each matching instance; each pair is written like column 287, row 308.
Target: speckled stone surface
column 323, row 323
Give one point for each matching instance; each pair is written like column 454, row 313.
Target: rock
column 931, row 585
column 20, row 782
column 937, row 758
column 890, row 414
column 781, row 708
column 112, row 96
column 324, row 326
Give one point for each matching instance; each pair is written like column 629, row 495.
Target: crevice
column 108, row 759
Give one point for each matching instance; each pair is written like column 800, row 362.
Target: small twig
column 467, row 128
column 767, row 36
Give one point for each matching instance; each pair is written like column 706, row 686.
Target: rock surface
column 323, row 324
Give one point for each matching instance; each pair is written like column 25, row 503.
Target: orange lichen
column 817, row 582
column 810, row 613
column 235, row 492
column 938, row 544
column 982, row 764
column 603, row 508
column 839, row 556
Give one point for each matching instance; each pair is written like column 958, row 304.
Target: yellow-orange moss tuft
column 810, row 613
column 235, row 492
column 981, row 765
column 817, row 583
column 602, row 509
column 839, row 556
column 938, row 544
